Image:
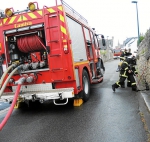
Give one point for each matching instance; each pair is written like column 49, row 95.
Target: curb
column 145, row 94
column 146, row 98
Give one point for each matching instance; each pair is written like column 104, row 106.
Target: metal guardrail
column 75, row 12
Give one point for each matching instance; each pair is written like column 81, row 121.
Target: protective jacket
column 124, row 69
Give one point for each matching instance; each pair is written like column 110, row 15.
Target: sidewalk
column 145, row 93
column 144, row 105
column 146, row 97
column 144, row 110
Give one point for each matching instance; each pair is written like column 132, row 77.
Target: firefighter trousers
column 120, row 82
column 131, row 82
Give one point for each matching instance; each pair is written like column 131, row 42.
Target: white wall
column 132, row 46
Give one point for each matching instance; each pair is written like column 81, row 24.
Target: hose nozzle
column 20, row 81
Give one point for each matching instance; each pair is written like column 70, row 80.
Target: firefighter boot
column 129, row 84
column 113, row 87
column 134, row 88
column 123, row 85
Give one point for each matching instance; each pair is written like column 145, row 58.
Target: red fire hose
column 30, row 43
column 11, row 108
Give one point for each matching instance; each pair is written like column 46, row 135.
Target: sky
column 112, row 18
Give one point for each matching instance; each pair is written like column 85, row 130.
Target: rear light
column 65, row 46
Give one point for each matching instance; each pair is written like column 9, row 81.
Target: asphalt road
column 106, row 117
column 4, row 105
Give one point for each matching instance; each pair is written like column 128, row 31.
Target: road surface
column 106, row 117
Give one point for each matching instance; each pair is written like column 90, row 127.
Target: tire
column 86, row 86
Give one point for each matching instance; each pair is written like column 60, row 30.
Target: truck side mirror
column 102, row 36
column 103, row 40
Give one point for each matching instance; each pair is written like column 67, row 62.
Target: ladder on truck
column 56, row 54
column 53, row 42
column 52, row 14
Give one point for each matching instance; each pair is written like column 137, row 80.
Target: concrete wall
column 106, row 51
column 143, row 61
column 106, row 55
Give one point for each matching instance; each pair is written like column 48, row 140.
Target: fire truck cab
column 53, row 49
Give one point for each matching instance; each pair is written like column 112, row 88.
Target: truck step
column 52, row 94
column 97, row 80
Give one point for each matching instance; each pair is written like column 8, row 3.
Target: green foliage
column 140, row 39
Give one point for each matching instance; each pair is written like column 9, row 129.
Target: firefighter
column 133, row 73
column 123, row 56
column 125, row 73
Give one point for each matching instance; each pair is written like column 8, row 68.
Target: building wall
column 106, row 55
column 106, row 51
column 132, row 45
column 143, row 61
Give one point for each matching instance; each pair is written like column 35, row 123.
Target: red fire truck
column 48, row 54
column 117, row 53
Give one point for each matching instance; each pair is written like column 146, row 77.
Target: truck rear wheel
column 86, row 86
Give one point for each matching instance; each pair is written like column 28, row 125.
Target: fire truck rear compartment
column 28, row 48
column 49, row 47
